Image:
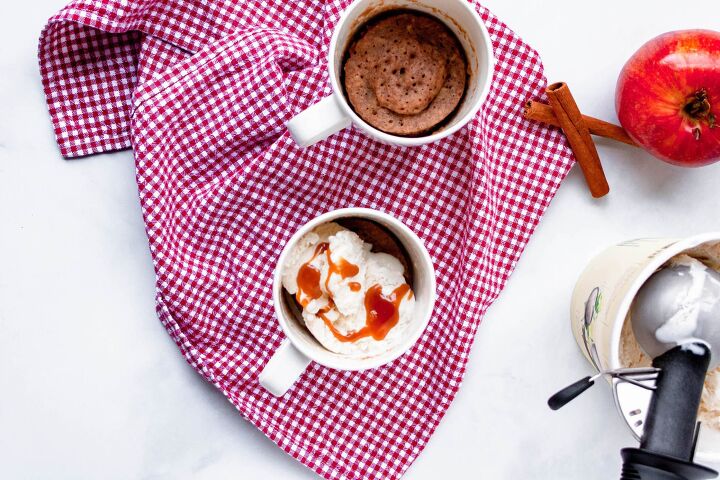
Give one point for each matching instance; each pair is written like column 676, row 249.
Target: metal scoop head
column 679, row 305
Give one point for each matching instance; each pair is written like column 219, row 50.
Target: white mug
column 300, row 347
column 333, row 113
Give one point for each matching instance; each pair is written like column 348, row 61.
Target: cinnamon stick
column 578, row 135
column 541, row 112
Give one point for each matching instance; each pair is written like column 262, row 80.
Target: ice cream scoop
column 676, row 320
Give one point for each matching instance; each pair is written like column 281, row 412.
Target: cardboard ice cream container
column 600, row 303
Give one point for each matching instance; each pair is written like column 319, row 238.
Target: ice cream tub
column 599, row 308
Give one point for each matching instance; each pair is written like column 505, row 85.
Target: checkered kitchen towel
column 201, row 90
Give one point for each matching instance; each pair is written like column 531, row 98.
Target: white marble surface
column 91, row 386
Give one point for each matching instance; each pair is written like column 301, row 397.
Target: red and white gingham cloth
column 202, row 90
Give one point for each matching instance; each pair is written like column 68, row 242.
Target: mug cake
column 405, row 73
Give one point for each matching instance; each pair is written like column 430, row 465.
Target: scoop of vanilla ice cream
column 381, row 269
column 385, row 270
column 348, row 314
column 348, row 246
column 303, row 252
column 682, row 325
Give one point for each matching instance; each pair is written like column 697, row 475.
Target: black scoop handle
column 667, row 445
column 564, row 396
column 672, row 414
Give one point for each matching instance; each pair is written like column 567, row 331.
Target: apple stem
column 698, row 108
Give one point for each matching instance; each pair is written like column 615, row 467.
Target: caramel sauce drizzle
column 343, row 268
column 382, row 311
column 308, row 279
column 382, row 314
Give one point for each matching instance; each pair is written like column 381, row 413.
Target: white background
column 91, row 386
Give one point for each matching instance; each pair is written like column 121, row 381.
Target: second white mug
column 300, row 347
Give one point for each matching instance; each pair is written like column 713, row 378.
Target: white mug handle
column 318, row 121
column 284, row 368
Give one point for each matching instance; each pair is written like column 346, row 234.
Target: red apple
column 668, row 97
